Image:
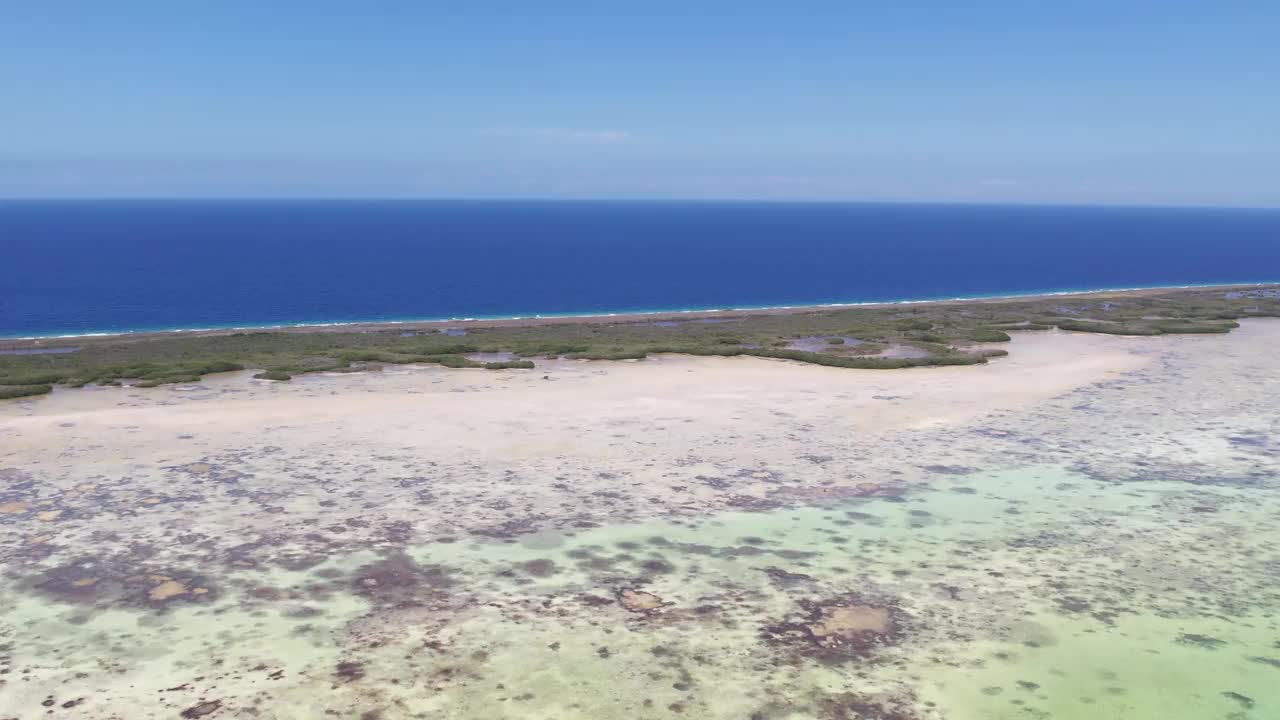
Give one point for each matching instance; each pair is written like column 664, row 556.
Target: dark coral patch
column 200, row 710
column 837, row 629
column 657, row 566
column 398, row 579
column 121, row 580
column 541, row 567
column 1245, row 701
column 851, row 706
column 639, row 601
column 1204, row 641
column 783, row 578
column 349, row 671
column 594, row 600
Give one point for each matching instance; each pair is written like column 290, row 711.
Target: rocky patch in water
column 839, row 629
column 399, row 580
column 122, row 581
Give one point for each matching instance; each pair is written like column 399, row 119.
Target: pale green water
column 1028, row 594
column 996, row 646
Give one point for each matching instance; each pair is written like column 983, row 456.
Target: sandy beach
column 1062, row 533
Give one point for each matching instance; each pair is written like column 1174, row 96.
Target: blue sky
column 1083, row 102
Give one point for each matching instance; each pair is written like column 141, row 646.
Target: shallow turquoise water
column 1037, row 593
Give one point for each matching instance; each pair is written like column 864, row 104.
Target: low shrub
column 17, row 391
column 167, row 380
column 1176, row 327
column 1023, row 326
column 277, row 375
column 48, row 377
column 983, row 334
column 1106, row 328
column 609, row 355
column 510, row 365
column 869, row 363
column 913, row 324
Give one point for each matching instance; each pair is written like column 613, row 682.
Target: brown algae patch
column 853, row 621
column 837, row 629
column 115, row 582
column 540, row 568
column 639, row 601
column 398, row 579
column 169, row 588
column 200, row 710
column 855, row 706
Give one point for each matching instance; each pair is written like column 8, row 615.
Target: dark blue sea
column 69, row 267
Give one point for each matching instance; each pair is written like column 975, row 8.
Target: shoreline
column 21, row 342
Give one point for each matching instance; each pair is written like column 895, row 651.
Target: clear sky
column 1094, row 101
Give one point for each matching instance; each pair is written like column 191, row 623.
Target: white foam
column 642, row 313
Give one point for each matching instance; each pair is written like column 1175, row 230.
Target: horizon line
column 673, row 200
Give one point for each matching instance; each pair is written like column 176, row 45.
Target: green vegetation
column 278, row 375
column 17, row 391
column 1024, row 326
column 870, row 363
column 1148, row 327
column 146, row 373
column 984, row 334
column 615, row 354
column 510, row 365
column 913, row 324
column 947, row 332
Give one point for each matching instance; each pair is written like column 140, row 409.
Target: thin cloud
column 788, row 180
column 997, row 182
column 563, row 134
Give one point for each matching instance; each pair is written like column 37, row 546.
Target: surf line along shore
column 1265, row 289
column 883, row 337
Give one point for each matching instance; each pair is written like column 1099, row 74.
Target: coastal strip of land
column 885, row 336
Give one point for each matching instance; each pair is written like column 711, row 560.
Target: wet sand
column 1085, row 529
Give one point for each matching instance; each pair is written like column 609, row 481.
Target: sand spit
column 1084, row 529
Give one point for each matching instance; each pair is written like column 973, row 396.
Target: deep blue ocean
column 71, row 267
